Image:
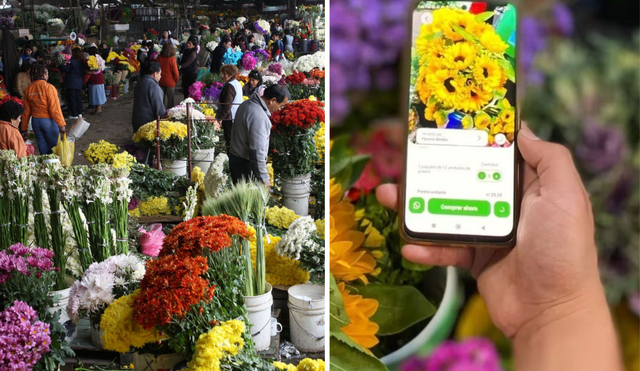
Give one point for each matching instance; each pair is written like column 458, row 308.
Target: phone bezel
column 458, row 240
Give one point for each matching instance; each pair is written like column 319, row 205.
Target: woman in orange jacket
column 42, row 105
column 170, row 75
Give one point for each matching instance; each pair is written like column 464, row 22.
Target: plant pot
column 123, row 75
column 149, row 362
column 259, row 308
column 95, row 332
column 177, row 167
column 202, row 158
column 307, row 317
column 118, row 75
column 61, row 306
column 295, row 194
column 438, row 328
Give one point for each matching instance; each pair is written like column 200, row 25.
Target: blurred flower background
column 579, row 85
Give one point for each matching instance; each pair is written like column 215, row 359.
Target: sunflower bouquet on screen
column 463, row 74
column 379, row 301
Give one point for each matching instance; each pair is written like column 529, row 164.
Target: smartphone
column 462, row 169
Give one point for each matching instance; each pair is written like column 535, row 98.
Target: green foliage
column 109, row 79
column 210, row 78
column 204, row 135
column 293, row 153
column 344, row 165
column 147, row 182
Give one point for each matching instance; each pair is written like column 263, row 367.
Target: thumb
column 552, row 162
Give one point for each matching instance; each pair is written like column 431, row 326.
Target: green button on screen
column 442, row 206
column 502, row 209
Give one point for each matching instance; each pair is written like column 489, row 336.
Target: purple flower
column 476, row 354
column 275, row 68
column 563, row 19
column 413, row 364
column 212, row 93
column 616, row 202
column 248, row 62
column 23, row 339
column 134, row 203
column 536, row 36
column 601, row 147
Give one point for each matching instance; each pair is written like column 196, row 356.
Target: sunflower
column 348, row 261
column 447, row 87
column 490, row 40
column 459, row 56
column 359, row 310
column 488, row 73
column 482, row 121
column 423, row 87
column 430, row 111
column 445, row 18
column 430, row 49
column 474, row 98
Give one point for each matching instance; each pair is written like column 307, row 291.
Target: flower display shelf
column 159, row 219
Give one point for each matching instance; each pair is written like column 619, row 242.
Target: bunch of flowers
column 195, row 90
column 281, row 217
column 211, row 45
column 241, row 20
column 468, row 91
column 120, row 182
column 98, row 198
column 123, row 160
column 471, row 354
column 262, row 26
column 289, row 56
column 248, row 61
column 102, row 152
column 104, row 282
column 12, row 99
column 204, row 134
column 23, row 337
column 151, row 34
column 319, row 139
column 204, row 27
column 317, row 73
column 212, row 93
column 306, row 364
column 73, row 196
column 260, row 54
column 296, row 78
column 275, row 68
column 20, row 260
column 219, row 343
column 292, row 144
column 121, row 331
column 7, row 20
column 232, row 57
column 154, row 205
column 172, row 135
column 307, row 63
column 299, row 243
column 92, row 63
column 179, row 112
column 62, row 59
column 243, row 79
column 280, row 270
column 216, row 179
column 55, row 25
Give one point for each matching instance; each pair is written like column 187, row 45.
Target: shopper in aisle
column 10, row 138
column 277, row 49
column 148, row 96
column 170, row 75
column 288, row 40
column 97, row 96
column 230, row 99
column 23, row 80
column 189, row 64
column 218, row 53
column 42, row 106
column 74, row 71
column 250, row 135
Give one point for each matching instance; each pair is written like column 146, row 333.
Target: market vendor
column 230, row 99
column 148, row 97
column 218, row 53
column 42, row 105
column 255, row 81
column 250, row 135
column 10, row 138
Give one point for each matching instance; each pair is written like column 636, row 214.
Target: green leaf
column 347, row 358
column 466, row 34
column 348, row 170
column 400, row 307
column 483, row 17
column 508, row 69
column 339, row 317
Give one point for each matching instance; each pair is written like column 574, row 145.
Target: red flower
column 302, row 114
column 296, row 78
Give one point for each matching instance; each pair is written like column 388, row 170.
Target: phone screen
column 461, row 156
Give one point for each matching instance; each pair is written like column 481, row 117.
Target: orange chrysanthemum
column 360, row 329
column 348, row 261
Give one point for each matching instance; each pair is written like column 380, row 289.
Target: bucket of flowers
column 151, row 34
column 55, row 25
column 173, row 146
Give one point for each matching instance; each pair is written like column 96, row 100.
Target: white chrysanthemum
column 216, row 179
column 298, row 237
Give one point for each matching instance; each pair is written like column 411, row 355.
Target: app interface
column 461, row 157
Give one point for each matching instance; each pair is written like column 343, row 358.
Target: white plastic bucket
column 295, row 194
column 259, row 308
column 203, row 158
column 149, row 362
column 177, row 167
column 307, row 317
column 61, row 306
column 78, row 129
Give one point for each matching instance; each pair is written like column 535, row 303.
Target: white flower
column 211, row 45
column 157, row 48
column 216, row 179
column 308, row 62
column 119, row 281
column 298, row 237
column 81, row 42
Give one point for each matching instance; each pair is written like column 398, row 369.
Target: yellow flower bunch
column 320, row 228
column 121, row 332
column 101, row 153
column 312, row 98
column 349, row 261
column 113, row 56
column 281, row 217
column 92, row 63
column 244, row 98
column 270, row 171
column 155, row 206
column 217, row 344
column 289, row 55
column 167, row 129
column 135, row 212
column 197, row 176
column 464, row 70
column 280, row 270
column 309, row 364
column 208, row 111
column 135, row 48
column 129, row 66
column 319, row 140
column 123, row 160
column 284, row 366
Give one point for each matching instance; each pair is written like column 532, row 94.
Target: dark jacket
column 227, row 94
column 189, row 61
column 248, row 91
column 277, row 50
column 216, row 58
column 147, row 102
column 74, row 72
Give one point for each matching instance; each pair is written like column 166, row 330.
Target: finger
column 442, row 256
column 387, row 195
column 552, row 162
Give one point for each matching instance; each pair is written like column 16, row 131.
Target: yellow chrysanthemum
column 123, row 160
column 281, row 217
column 101, row 152
column 197, row 176
column 319, row 140
column 309, row 364
column 120, row 331
column 155, row 206
column 135, row 212
column 488, row 73
column 490, row 40
column 284, row 366
column 359, row 310
column 270, row 171
column 459, row 56
column 168, row 129
column 348, row 261
column 280, row 270
column 217, row 345
column 320, row 228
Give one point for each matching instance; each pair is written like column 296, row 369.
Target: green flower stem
column 58, row 239
column 80, row 232
column 40, row 224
